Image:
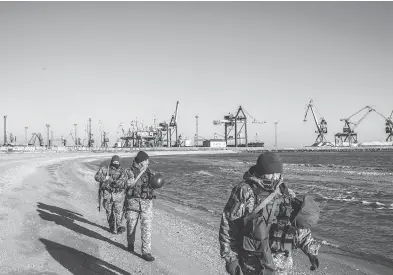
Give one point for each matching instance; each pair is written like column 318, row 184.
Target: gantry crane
column 388, row 125
column 34, row 138
column 348, row 134
column 231, row 122
column 321, row 126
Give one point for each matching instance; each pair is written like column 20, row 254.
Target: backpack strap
column 264, row 203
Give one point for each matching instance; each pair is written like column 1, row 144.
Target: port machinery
column 321, row 124
column 388, row 125
column 348, row 134
column 139, row 135
column 166, row 130
column 231, row 122
column 36, row 137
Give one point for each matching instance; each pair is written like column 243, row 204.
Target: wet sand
column 51, row 225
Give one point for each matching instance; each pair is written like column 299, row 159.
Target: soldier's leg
column 118, row 211
column 283, row 263
column 108, row 204
column 146, row 220
column 132, row 218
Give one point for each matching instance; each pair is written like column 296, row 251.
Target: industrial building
column 215, row 143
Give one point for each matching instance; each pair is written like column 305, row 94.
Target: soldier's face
column 145, row 163
column 270, row 181
column 271, row 177
column 116, row 164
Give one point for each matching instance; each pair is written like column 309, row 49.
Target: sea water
column 353, row 189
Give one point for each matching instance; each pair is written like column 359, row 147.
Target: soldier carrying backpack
column 263, row 222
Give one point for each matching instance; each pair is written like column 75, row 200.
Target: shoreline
column 173, row 150
column 211, row 221
column 66, row 234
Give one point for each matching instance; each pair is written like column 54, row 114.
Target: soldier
column 139, row 204
column 113, row 181
column 256, row 232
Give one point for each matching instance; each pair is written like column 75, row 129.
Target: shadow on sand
column 68, row 214
column 65, row 218
column 80, row 263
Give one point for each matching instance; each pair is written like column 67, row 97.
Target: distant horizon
column 62, row 63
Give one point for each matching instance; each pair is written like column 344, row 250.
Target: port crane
column 349, row 135
column 36, row 137
column 104, row 135
column 388, row 125
column 231, row 122
column 321, row 126
column 167, row 130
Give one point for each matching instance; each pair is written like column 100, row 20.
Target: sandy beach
column 51, row 225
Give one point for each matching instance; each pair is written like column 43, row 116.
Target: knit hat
column 267, row 163
column 115, row 158
column 141, row 156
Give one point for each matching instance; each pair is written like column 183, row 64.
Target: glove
column 233, row 268
column 314, row 262
column 106, row 183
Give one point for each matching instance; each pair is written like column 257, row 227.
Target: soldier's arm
column 121, row 180
column 231, row 219
column 130, row 178
column 100, row 175
column 306, row 242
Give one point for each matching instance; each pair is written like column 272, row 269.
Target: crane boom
column 386, row 118
column 363, row 117
column 367, row 107
column 176, row 111
column 310, row 107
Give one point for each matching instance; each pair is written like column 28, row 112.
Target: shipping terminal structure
column 166, row 133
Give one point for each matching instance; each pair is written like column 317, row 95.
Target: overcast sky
column 61, row 63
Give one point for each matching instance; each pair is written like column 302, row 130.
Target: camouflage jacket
column 244, row 197
column 118, row 178
column 136, row 188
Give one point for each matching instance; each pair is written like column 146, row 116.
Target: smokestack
column 47, row 135
column 196, row 135
column 5, row 130
column 76, row 138
column 26, row 135
column 89, row 133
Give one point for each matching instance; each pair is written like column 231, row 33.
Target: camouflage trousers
column 136, row 209
column 113, row 204
column 283, row 264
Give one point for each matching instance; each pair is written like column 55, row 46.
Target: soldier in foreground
column 263, row 222
column 113, row 180
column 139, row 202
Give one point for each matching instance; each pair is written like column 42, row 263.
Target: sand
column 50, row 225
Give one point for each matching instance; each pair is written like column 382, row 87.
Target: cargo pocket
column 252, row 245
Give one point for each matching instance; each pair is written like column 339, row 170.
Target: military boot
column 121, row 229
column 148, row 257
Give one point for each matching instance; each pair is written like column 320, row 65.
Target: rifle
column 100, row 190
column 99, row 198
